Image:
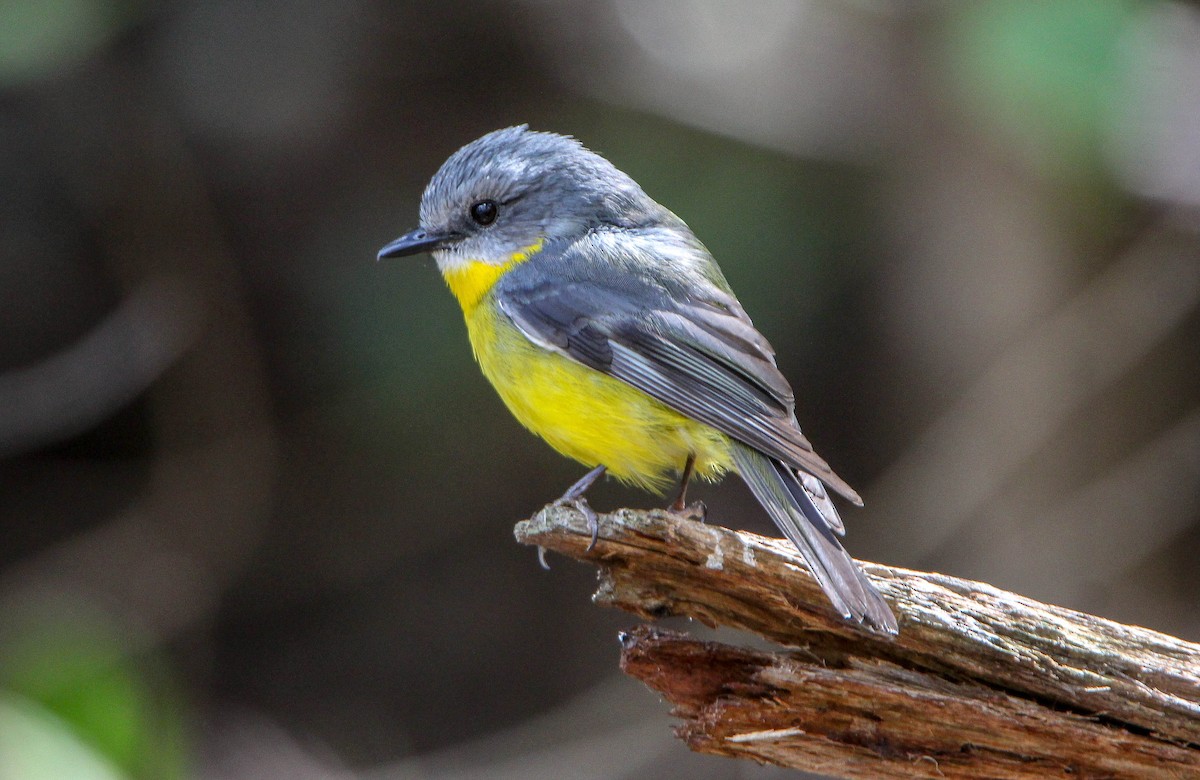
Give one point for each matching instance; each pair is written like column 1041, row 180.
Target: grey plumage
column 622, row 286
column 683, row 339
column 675, row 334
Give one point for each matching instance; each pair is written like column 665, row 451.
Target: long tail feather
column 799, row 514
column 816, row 493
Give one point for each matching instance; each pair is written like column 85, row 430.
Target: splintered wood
column 979, row 683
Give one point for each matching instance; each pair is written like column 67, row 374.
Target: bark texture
column 979, row 683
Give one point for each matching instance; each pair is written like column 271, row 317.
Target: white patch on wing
column 530, row 333
column 660, row 245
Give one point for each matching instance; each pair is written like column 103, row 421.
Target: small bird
column 608, row 329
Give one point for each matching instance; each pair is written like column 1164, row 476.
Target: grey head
column 515, row 187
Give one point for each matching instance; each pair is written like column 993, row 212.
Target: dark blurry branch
column 1033, row 387
column 110, row 366
column 980, row 682
column 1159, row 480
column 161, row 563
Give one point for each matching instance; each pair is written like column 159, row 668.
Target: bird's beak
column 414, row 241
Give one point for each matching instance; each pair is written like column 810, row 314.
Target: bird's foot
column 580, row 504
column 574, row 499
column 697, row 510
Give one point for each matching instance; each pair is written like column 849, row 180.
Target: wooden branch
column 979, row 683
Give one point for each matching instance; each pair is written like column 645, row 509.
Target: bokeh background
column 256, row 503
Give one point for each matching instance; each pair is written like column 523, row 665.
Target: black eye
column 484, row 212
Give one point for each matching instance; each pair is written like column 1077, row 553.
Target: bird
column 608, row 329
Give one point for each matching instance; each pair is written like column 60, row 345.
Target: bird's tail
column 804, row 520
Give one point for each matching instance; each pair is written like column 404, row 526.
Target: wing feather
column 682, row 341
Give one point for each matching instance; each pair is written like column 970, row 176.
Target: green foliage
column 1045, row 77
column 71, row 682
column 35, row 744
column 38, row 38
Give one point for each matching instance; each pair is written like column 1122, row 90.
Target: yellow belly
column 587, row 415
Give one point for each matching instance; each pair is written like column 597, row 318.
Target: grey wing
column 687, row 344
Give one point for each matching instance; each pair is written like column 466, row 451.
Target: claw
column 697, row 510
column 593, row 520
column 542, row 558
column 574, row 499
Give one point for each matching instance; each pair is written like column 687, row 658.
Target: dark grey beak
column 415, row 241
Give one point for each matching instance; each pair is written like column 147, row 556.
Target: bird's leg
column 574, row 498
column 681, row 499
column 697, row 511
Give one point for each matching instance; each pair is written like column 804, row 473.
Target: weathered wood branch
column 979, row 683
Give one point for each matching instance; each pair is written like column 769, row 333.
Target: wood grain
column 979, row 683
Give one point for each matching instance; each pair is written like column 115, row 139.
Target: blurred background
column 256, row 502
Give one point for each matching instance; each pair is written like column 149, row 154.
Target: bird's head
column 514, row 189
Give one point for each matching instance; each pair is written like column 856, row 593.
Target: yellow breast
column 581, row 412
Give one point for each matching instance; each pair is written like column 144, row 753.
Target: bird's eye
column 484, row 212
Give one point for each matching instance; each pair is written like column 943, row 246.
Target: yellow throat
column 471, row 281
